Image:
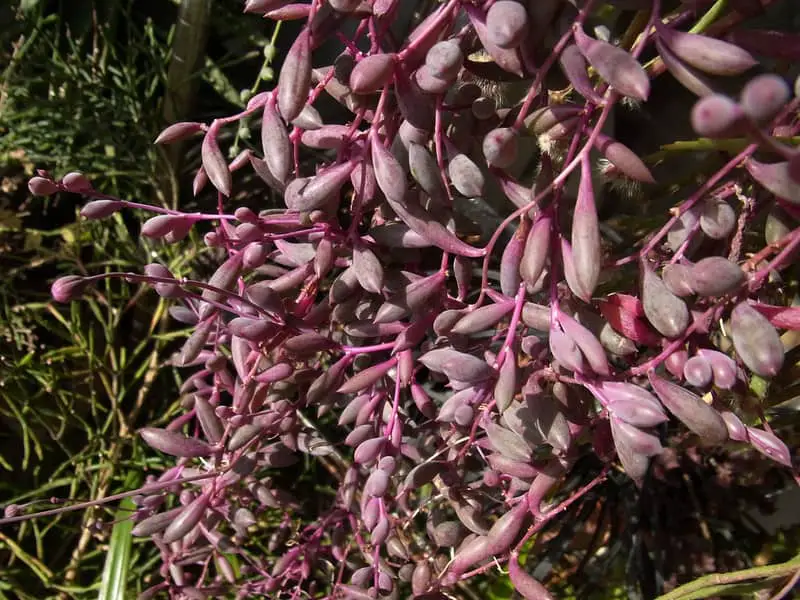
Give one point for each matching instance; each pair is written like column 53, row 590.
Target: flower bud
column 41, row 186
column 68, row 288
column 715, row 116
column 76, row 183
column 764, row 96
column 178, row 131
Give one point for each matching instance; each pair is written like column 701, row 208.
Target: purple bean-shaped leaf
column 466, row 368
column 618, row 68
column 377, row 483
column 624, row 159
column 770, row 445
column 537, row 249
column 589, row 345
column 275, row 144
column 634, row 463
column 212, row 427
column 424, row 170
column 398, row 235
column 756, row 341
column 187, row 519
column 368, row 268
column 524, row 583
column 508, row 443
column 505, row 530
column 368, row 451
column 224, row 278
column 506, row 24
column 365, row 378
column 707, row 54
column 506, row 385
column 156, row 523
column 316, row 192
column 689, row 408
column 723, row 368
column 506, row 59
column 776, row 178
column 512, row 259
column 637, row 439
column 688, row 77
column 715, row 276
column 573, row 64
column 214, row 161
column 295, row 77
column 664, row 310
column 500, row 147
column 697, row 372
column 423, row 223
column 566, row 351
column 586, row 251
column 736, row 429
column 637, row 413
column 544, row 119
column 99, row 209
column 371, row 73
column 466, row 176
column 718, row 219
column 480, row 319
column 174, row 443
column 677, row 279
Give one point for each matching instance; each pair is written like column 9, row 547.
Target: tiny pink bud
column 41, row 186
column 76, row 182
column 68, row 288
column 178, row 131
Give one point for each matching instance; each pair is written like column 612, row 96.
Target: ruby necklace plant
column 311, row 314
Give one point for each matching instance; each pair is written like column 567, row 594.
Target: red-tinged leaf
column 783, row 317
column 626, row 323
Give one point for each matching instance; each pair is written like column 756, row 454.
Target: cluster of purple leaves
column 359, row 299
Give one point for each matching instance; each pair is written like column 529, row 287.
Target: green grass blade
column 117, row 566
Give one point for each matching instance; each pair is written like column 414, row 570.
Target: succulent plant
column 362, row 293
